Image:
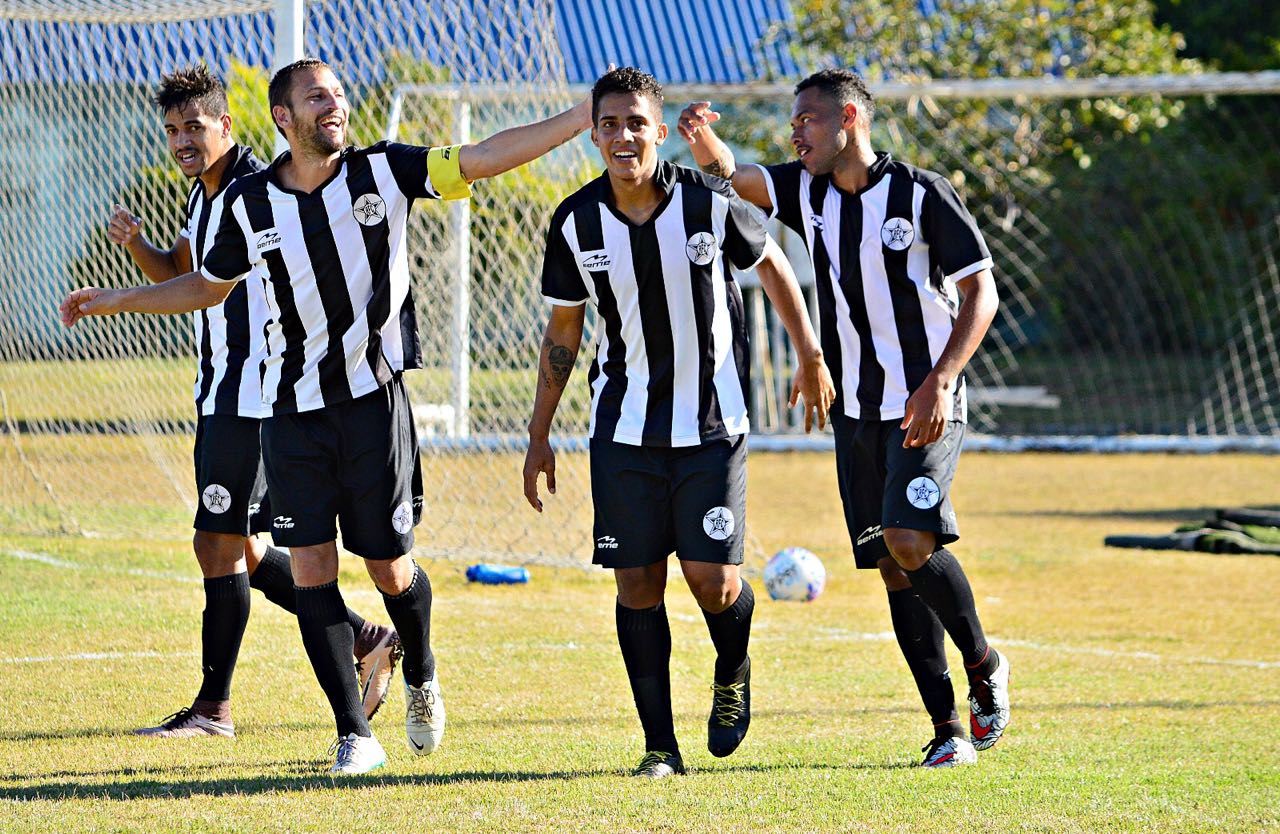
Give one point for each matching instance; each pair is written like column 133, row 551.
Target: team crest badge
column 718, row 523
column 402, row 518
column 701, row 248
column 369, row 210
column 216, row 499
column 897, row 233
column 923, row 493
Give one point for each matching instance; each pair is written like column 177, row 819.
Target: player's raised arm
column 560, row 345
column 125, row 229
column 515, row 146
column 714, row 156
column 183, row 294
column 813, row 380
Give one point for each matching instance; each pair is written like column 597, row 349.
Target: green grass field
column 1146, row 686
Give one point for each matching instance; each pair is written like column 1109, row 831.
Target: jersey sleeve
column 228, row 259
column 561, row 280
column 783, row 182
column 429, row 173
column 956, row 246
column 744, row 234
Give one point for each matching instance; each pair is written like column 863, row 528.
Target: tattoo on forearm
column 561, row 361
column 718, row 168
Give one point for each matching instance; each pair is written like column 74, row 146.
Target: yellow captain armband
column 444, row 169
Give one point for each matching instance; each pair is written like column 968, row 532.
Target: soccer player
column 891, row 246
column 233, row 507
column 325, row 224
column 646, row 245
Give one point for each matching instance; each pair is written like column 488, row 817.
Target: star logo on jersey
column 701, row 248
column 216, row 499
column 369, row 210
column 718, row 523
column 402, row 518
column 897, row 233
column 923, row 493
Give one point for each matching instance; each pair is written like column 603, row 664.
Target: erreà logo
column 283, row 522
column 607, row 543
column 270, row 239
column 593, row 261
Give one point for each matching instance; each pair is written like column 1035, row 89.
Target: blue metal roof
column 706, row 41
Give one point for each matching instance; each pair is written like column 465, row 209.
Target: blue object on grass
column 497, row 574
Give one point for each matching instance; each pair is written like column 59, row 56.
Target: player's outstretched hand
column 813, row 384
column 695, row 117
column 540, row 458
column 90, row 301
column 122, row 227
column 926, row 413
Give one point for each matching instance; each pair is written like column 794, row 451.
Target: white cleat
column 187, row 724
column 948, row 752
column 424, row 716
column 357, row 754
column 989, row 706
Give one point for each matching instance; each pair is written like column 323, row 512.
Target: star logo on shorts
column 369, row 209
column 923, row 493
column 897, row 233
column 216, row 499
column 402, row 518
column 718, row 523
column 701, row 248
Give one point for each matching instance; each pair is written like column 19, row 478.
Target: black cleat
column 659, row 765
column 730, row 713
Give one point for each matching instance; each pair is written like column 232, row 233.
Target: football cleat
column 989, row 705
column 730, row 713
column 356, row 754
column 658, row 765
column 187, row 724
column 375, row 670
column 424, row 716
column 948, row 752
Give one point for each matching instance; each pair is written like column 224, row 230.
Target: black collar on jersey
column 240, row 164
column 664, row 176
column 875, row 172
column 273, row 173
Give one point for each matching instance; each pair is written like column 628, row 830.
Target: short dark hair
column 279, row 88
column 192, row 84
column 625, row 80
column 844, row 86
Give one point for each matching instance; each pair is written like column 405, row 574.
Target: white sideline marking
column 95, row 656
column 46, row 559
column 842, row 634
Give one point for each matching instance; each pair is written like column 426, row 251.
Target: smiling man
column 646, row 245
column 905, row 295
column 231, row 501
column 326, row 225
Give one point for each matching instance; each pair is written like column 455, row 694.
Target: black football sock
column 921, row 638
column 942, row 585
column 327, row 637
column 410, row 613
column 274, row 578
column 644, row 635
column 226, row 611
column 730, row 631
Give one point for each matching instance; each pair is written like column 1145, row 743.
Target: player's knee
column 219, row 554
column 714, row 594
column 641, row 587
column 393, row 576
column 895, row 579
column 909, row 548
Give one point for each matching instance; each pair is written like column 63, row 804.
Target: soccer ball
column 794, row 574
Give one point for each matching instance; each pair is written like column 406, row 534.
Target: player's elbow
column 480, row 161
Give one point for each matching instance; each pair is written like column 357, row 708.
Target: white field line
column 835, row 634
column 95, row 656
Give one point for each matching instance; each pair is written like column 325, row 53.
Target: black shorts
column 884, row 485
column 230, row 482
column 353, row 464
column 652, row 501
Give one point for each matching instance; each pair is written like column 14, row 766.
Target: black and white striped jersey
column 337, row 269
column 671, row 365
column 231, row 336
column 886, row 261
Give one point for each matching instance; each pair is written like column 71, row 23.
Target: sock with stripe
column 226, row 612
column 327, row 637
column 644, row 635
column 921, row 638
column 410, row 613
